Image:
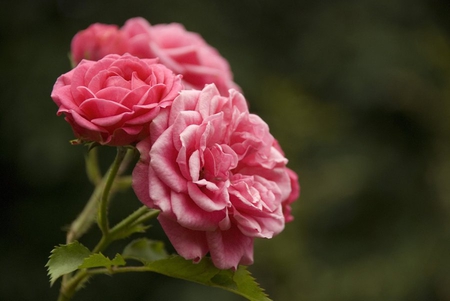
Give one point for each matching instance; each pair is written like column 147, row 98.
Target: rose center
column 219, row 161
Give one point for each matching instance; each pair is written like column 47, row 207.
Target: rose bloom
column 113, row 100
column 213, row 171
column 295, row 189
column 97, row 41
column 182, row 51
column 295, row 193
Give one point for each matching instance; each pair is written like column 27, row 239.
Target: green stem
column 132, row 219
column 139, row 216
column 129, row 157
column 70, row 287
column 122, row 183
column 118, row 270
column 99, row 201
column 82, row 276
column 103, row 207
column 87, row 217
column 145, row 217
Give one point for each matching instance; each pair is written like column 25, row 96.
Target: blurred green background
column 357, row 93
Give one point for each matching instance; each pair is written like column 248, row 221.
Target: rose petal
column 163, row 161
column 218, row 202
column 189, row 243
column 190, row 216
column 230, row 248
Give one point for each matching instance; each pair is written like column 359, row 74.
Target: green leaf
column 145, row 250
column 100, row 260
column 139, row 228
column 65, row 259
column 247, row 285
column 239, row 282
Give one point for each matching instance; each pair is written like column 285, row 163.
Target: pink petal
column 254, row 226
column 186, row 101
column 190, row 216
column 215, row 203
column 62, row 96
column 160, row 193
column 145, row 117
column 112, row 93
column 159, row 124
column 140, row 183
column 184, row 128
column 192, row 165
column 81, row 121
column 230, row 248
column 165, row 58
column 96, row 72
column 109, row 121
column 163, row 161
column 209, row 101
column 98, row 108
column 189, row 244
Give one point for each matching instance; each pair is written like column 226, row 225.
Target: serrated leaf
column 247, row 284
column 139, row 228
column 100, row 260
column 239, row 282
column 65, row 259
column 145, row 250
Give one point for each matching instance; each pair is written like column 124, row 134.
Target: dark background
column 357, row 93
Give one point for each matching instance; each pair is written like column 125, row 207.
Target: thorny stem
column 69, row 288
column 99, row 200
column 87, row 216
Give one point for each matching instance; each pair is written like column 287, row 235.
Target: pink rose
column 212, row 169
column 112, row 101
column 295, row 192
column 182, row 51
column 97, row 41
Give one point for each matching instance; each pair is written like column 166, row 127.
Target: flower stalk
column 73, row 284
column 104, row 201
column 98, row 205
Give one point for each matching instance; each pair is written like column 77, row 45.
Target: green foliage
column 66, row 259
column 155, row 259
column 100, row 260
column 145, row 250
column 239, row 282
column 126, row 232
column 248, row 286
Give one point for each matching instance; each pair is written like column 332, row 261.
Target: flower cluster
column 217, row 175
column 182, row 51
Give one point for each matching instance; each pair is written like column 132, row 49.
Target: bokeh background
column 358, row 94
